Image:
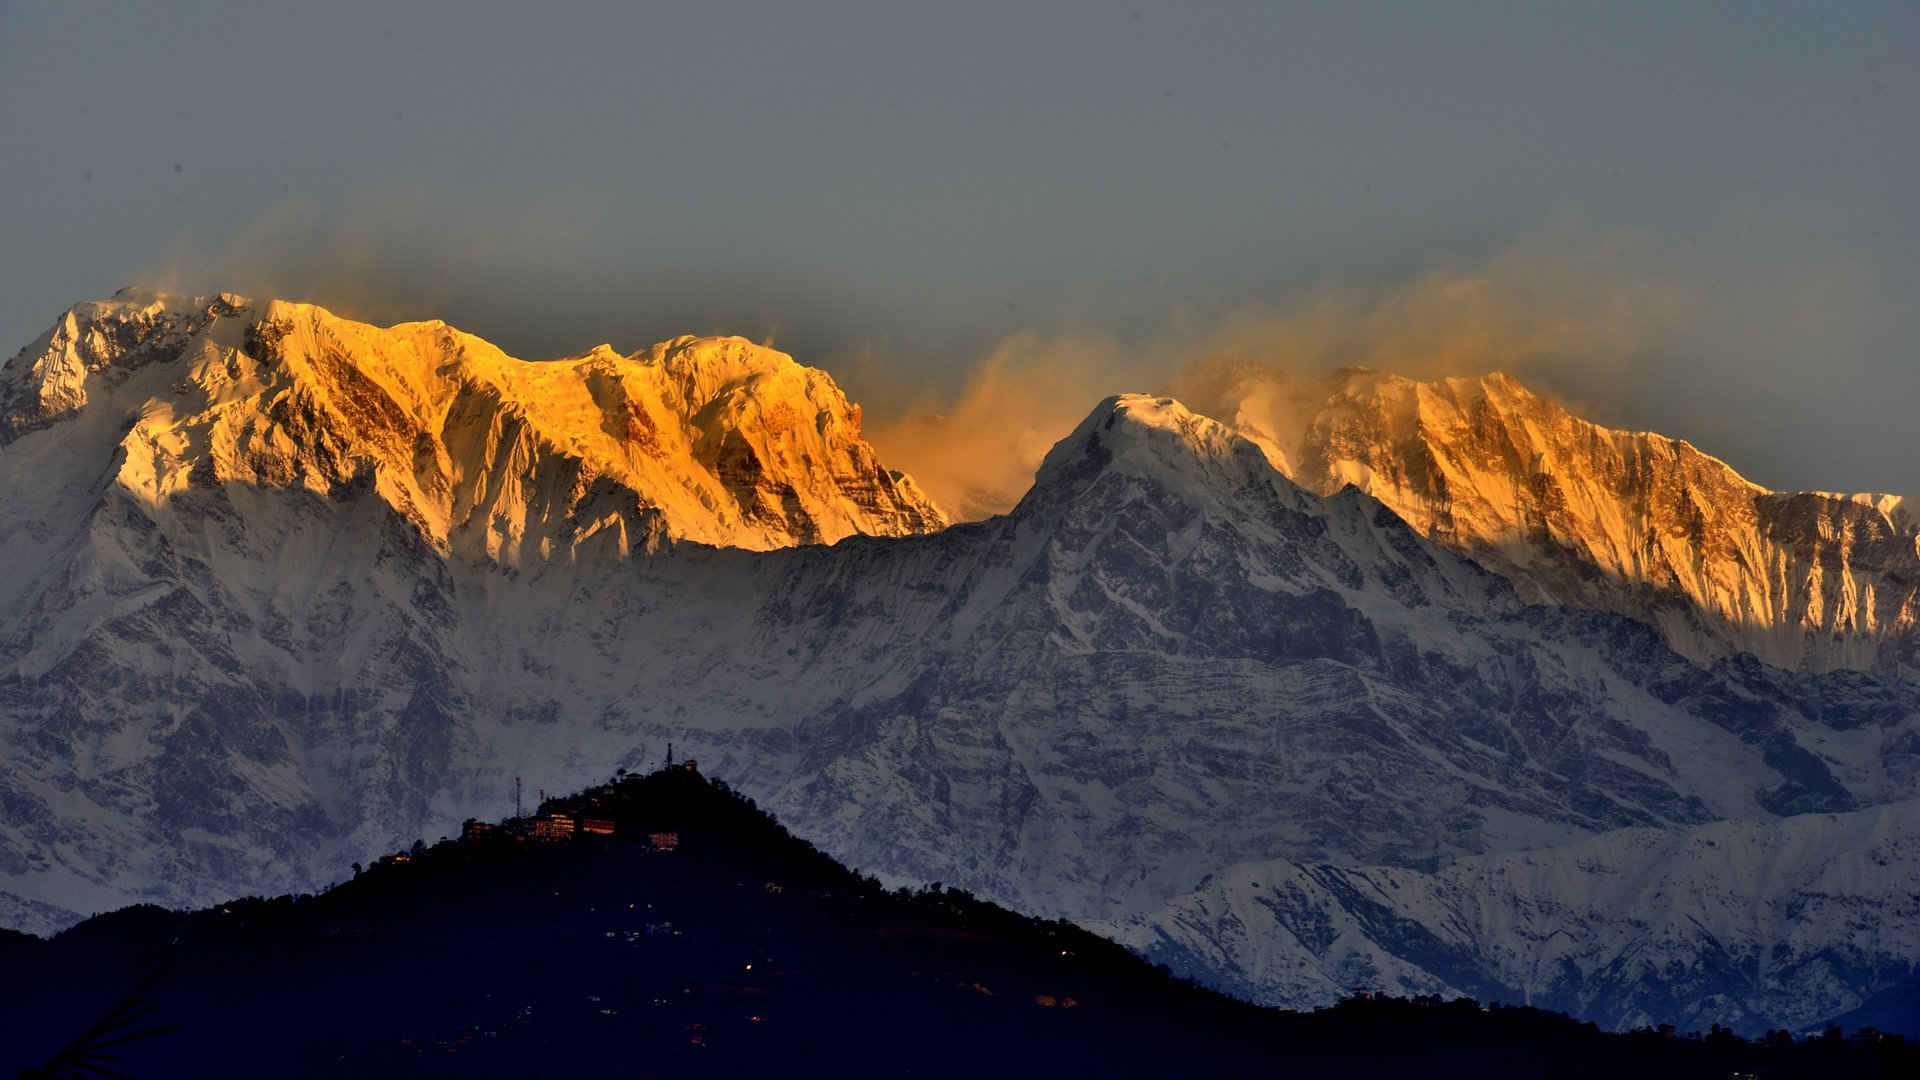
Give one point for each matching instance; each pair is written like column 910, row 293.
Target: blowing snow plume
column 977, row 456
column 1635, row 329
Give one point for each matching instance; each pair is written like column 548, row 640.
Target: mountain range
column 1574, row 513
column 660, row 925
column 285, row 590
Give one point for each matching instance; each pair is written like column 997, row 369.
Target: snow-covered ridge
column 1902, row 510
column 1158, row 439
column 714, row 440
column 1575, row 513
column 1750, row 924
column 257, row 628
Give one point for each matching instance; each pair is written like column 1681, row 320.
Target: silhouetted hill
column 698, row 938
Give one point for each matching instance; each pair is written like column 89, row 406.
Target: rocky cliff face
column 253, row 637
column 1172, row 654
column 1574, row 513
column 711, row 440
column 230, row 634
column 1752, row 925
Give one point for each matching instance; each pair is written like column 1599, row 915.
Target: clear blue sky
column 914, row 182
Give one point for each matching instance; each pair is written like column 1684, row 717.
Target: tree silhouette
column 86, row 1055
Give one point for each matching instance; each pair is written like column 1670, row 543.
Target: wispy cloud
column 1698, row 337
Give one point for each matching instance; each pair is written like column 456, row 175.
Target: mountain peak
column 713, row 440
column 1574, row 513
column 1155, row 438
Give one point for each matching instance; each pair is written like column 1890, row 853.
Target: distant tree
column 356, row 869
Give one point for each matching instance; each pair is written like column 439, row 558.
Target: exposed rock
column 1574, row 513
column 1751, row 925
column 280, row 607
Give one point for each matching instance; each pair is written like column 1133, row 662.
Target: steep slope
column 1574, row 513
column 735, row 951
column 232, row 535
column 1753, row 925
column 1169, row 654
column 712, row 440
column 1169, row 659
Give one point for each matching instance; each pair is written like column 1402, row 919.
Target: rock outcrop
column 1574, row 513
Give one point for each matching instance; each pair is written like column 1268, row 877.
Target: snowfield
column 286, row 591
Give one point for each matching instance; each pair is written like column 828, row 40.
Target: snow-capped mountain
column 712, row 440
column 218, row 676
column 1575, row 513
column 1752, row 925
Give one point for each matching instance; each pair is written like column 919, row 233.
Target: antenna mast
column 516, row 796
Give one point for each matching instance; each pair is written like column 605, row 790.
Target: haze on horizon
column 1686, row 218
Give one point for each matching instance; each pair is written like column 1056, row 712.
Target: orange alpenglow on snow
column 1516, row 481
column 713, row 440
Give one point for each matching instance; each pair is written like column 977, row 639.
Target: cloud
column 540, row 274
column 1749, row 335
column 1711, row 337
column 977, row 453
column 365, row 258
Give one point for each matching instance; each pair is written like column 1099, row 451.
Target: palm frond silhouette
column 87, row 1057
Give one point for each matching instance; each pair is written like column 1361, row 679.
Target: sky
column 1687, row 217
